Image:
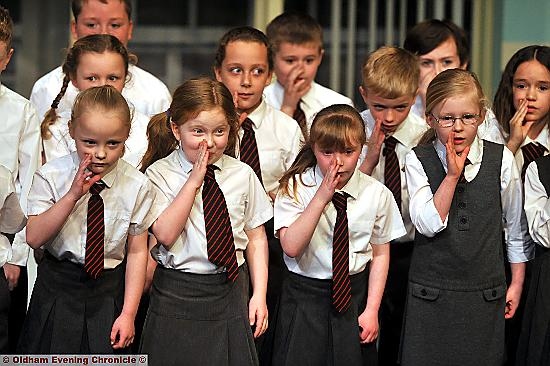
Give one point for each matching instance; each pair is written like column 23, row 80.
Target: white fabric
column 12, row 218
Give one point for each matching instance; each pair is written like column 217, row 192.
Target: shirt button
column 423, row 292
column 460, row 189
column 462, row 204
column 463, row 220
column 494, row 293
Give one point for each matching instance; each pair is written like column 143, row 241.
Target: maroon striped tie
column 300, row 117
column 531, row 152
column 95, row 236
column 249, row 149
column 341, row 289
column 462, row 178
column 219, row 234
column 392, row 175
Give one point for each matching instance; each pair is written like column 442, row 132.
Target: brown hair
column 391, row 72
column 189, row 100
column 294, row 28
column 106, row 98
column 244, row 34
column 96, row 43
column 76, row 6
column 6, row 27
column 335, row 127
column 448, row 84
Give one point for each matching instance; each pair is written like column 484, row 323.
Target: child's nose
column 390, row 115
column 245, row 80
column 531, row 93
column 100, row 152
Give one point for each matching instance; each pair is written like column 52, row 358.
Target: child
column 390, row 84
column 442, row 45
column 20, row 153
column 534, row 347
column 297, row 41
column 199, row 298
column 269, row 139
column 90, row 211
column 457, row 299
column 94, row 60
column 325, row 316
column 12, row 220
column 148, row 94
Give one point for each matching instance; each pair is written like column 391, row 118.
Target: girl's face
column 457, row 107
column 245, row 72
column 210, row 126
column 346, row 160
column 101, row 134
column 98, row 69
column 532, row 83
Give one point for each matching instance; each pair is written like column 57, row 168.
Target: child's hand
column 374, row 146
column 513, row 295
column 519, row 128
column 455, row 162
column 295, row 89
column 83, row 180
column 423, row 85
column 257, row 315
column 199, row 168
column 368, row 326
column 329, row 183
column 122, row 333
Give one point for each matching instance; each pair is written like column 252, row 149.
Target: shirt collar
column 541, row 139
column 352, row 187
column 475, row 155
column 258, row 114
column 187, row 166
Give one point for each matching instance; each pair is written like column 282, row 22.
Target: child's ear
column 6, row 61
column 430, row 121
column 363, row 93
column 269, row 77
column 71, row 128
column 175, row 130
column 218, row 74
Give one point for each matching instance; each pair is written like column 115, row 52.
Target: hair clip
column 168, row 114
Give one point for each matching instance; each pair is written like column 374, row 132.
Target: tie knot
column 533, row 149
column 97, row 187
column 340, row 201
column 247, row 125
column 389, row 145
column 210, row 172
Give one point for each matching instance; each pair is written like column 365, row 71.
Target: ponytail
column 161, row 140
column 305, row 159
column 51, row 115
column 428, row 137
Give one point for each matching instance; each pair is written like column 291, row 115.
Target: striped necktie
column 219, row 233
column 249, row 149
column 341, row 289
column 392, row 175
column 300, row 117
column 95, row 235
column 531, row 152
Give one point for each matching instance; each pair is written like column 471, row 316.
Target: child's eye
column 543, row 87
column 327, row 152
column 114, row 78
column 197, row 130
column 289, row 61
column 519, row 86
column 379, row 107
column 90, row 25
column 116, row 25
column 89, row 142
column 310, row 60
column 258, row 72
column 220, row 131
column 349, row 151
column 448, row 62
column 235, row 70
column 425, row 63
column 113, row 143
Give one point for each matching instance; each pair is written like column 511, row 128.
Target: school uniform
column 70, row 312
column 203, row 315
column 20, row 153
column 279, row 139
column 12, row 220
column 457, row 288
column 317, row 98
column 61, row 143
column 534, row 343
column 309, row 330
column 408, row 134
column 146, row 93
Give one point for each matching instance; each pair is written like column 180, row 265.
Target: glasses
column 449, row 121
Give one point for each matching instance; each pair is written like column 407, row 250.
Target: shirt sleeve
column 520, row 247
column 424, row 215
column 388, row 224
column 150, row 203
column 537, row 207
column 258, row 208
column 286, row 209
column 12, row 218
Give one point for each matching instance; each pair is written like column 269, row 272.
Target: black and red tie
column 249, row 149
column 95, row 235
column 341, row 288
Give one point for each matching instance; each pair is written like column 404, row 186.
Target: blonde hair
column 189, row 100
column 336, row 127
column 448, row 84
column 391, row 72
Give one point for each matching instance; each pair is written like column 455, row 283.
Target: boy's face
column 392, row 112
column 97, row 69
column 297, row 63
column 443, row 57
column 245, row 72
column 5, row 55
column 458, row 106
column 99, row 18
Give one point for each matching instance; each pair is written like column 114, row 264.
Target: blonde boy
column 390, row 78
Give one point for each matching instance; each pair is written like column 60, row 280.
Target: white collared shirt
column 279, row 140
column 317, row 98
column 61, row 143
column 373, row 218
column 12, row 219
column 20, row 153
column 143, row 91
column 537, row 206
column 542, row 139
column 131, row 203
column 247, row 203
column 426, row 219
column 408, row 134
